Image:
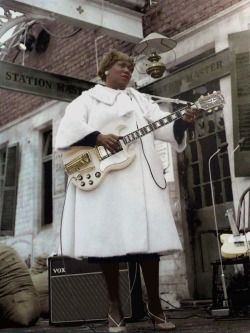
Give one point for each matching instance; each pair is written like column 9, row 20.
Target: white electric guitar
column 236, row 244
column 87, row 166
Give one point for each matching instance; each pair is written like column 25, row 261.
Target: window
column 47, row 200
column 8, row 188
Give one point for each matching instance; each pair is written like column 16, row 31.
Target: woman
column 128, row 216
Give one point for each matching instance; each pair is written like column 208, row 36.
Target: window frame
column 8, row 201
column 46, row 159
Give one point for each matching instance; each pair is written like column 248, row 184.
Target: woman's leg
column 150, row 271
column 111, row 275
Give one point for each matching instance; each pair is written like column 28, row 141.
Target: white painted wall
column 30, row 238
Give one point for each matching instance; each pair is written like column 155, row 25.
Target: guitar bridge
column 77, row 163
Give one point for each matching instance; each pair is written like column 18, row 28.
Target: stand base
column 223, row 312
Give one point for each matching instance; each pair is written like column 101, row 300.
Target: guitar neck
column 204, row 103
column 127, row 139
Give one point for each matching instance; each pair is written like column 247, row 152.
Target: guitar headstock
column 210, row 102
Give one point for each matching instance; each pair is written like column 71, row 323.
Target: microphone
column 221, row 148
column 241, row 143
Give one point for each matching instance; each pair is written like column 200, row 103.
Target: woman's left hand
column 191, row 114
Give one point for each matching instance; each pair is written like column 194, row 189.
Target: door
column 204, row 138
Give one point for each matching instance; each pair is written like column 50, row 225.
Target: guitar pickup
column 77, row 163
column 239, row 244
column 102, row 152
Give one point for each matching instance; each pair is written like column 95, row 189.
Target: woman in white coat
column 128, row 215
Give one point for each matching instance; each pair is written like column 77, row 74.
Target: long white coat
column 130, row 211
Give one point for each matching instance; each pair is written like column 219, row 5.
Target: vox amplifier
column 77, row 292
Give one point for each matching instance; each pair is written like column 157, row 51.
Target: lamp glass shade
column 155, row 41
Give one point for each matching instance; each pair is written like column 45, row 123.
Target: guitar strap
column 232, row 222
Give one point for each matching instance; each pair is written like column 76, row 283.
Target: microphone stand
column 241, row 143
column 222, row 146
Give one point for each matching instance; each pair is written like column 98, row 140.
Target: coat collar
column 106, row 95
column 109, row 96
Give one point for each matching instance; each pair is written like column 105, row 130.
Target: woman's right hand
column 109, row 141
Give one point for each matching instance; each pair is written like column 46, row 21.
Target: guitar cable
column 76, row 303
column 149, row 167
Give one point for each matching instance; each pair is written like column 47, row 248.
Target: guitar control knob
column 98, row 174
column 91, row 182
column 88, row 176
column 79, row 177
column 82, row 184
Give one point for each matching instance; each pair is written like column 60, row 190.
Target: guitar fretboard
column 205, row 103
column 152, row 126
column 128, row 138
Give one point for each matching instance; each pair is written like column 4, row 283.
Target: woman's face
column 119, row 75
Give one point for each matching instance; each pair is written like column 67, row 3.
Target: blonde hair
column 110, row 59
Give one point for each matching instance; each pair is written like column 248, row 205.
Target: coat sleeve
column 74, row 124
column 153, row 112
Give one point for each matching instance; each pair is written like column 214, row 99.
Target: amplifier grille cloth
column 81, row 297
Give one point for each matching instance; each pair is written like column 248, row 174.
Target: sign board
column 44, row 84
